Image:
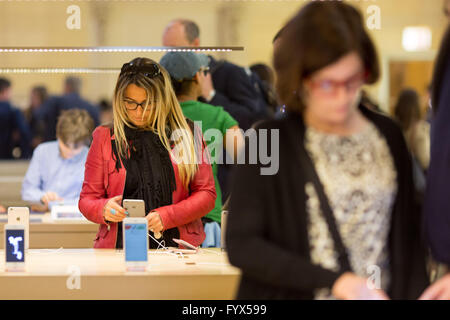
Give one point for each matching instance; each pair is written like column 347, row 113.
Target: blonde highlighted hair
column 164, row 117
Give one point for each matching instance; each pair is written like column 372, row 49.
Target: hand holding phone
column 112, row 211
column 135, row 207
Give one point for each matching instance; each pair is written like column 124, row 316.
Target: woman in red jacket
column 136, row 158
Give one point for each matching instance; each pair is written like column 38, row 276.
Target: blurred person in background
column 15, row 134
column 106, row 112
column 267, row 85
column 71, row 99
column 227, row 85
column 37, row 126
column 340, row 201
column 187, row 71
column 437, row 200
column 56, row 170
column 416, row 130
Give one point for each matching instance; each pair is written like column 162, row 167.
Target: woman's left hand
column 154, row 222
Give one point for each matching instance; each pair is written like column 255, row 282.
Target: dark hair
column 4, row 84
column 440, row 67
column 190, row 29
column 183, row 87
column 264, row 72
column 41, row 92
column 407, row 108
column 266, row 85
column 278, row 35
column 105, row 105
column 320, row 34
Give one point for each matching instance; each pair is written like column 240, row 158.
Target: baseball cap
column 183, row 65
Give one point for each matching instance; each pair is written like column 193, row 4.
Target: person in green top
column 188, row 70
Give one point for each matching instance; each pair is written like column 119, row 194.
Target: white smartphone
column 185, row 244
column 15, row 237
column 135, row 208
column 20, row 216
column 135, row 243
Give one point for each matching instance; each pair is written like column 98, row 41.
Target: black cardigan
column 267, row 235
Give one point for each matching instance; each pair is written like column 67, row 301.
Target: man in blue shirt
column 56, row 170
column 14, row 130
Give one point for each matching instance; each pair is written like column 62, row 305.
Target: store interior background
column 250, row 24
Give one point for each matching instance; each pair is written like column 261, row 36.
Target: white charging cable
column 160, row 244
column 163, row 247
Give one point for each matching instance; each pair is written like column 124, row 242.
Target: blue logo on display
column 15, row 247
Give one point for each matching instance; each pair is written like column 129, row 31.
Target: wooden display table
column 48, row 233
column 52, row 274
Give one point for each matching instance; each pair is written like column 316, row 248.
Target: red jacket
column 102, row 181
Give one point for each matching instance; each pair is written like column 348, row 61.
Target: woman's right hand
column 349, row 286
column 112, row 211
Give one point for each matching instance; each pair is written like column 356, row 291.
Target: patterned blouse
column 359, row 179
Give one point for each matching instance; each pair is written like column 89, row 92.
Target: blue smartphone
column 135, row 239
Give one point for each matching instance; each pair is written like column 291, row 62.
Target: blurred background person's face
column 175, row 36
column 69, row 150
column 5, row 95
column 35, row 99
column 332, row 93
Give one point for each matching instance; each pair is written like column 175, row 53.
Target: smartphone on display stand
column 15, row 237
column 135, row 208
column 135, row 240
column 20, row 216
column 189, row 247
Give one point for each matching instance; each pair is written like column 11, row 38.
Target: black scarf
column 149, row 167
column 150, row 174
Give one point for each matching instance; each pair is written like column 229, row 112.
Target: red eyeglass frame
column 316, row 84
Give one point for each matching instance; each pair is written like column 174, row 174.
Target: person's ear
column 196, row 42
column 197, row 77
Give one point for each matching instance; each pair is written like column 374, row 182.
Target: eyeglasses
column 205, row 71
column 330, row 87
column 150, row 71
column 132, row 105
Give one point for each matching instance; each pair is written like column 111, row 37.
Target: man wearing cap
column 188, row 70
column 227, row 85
